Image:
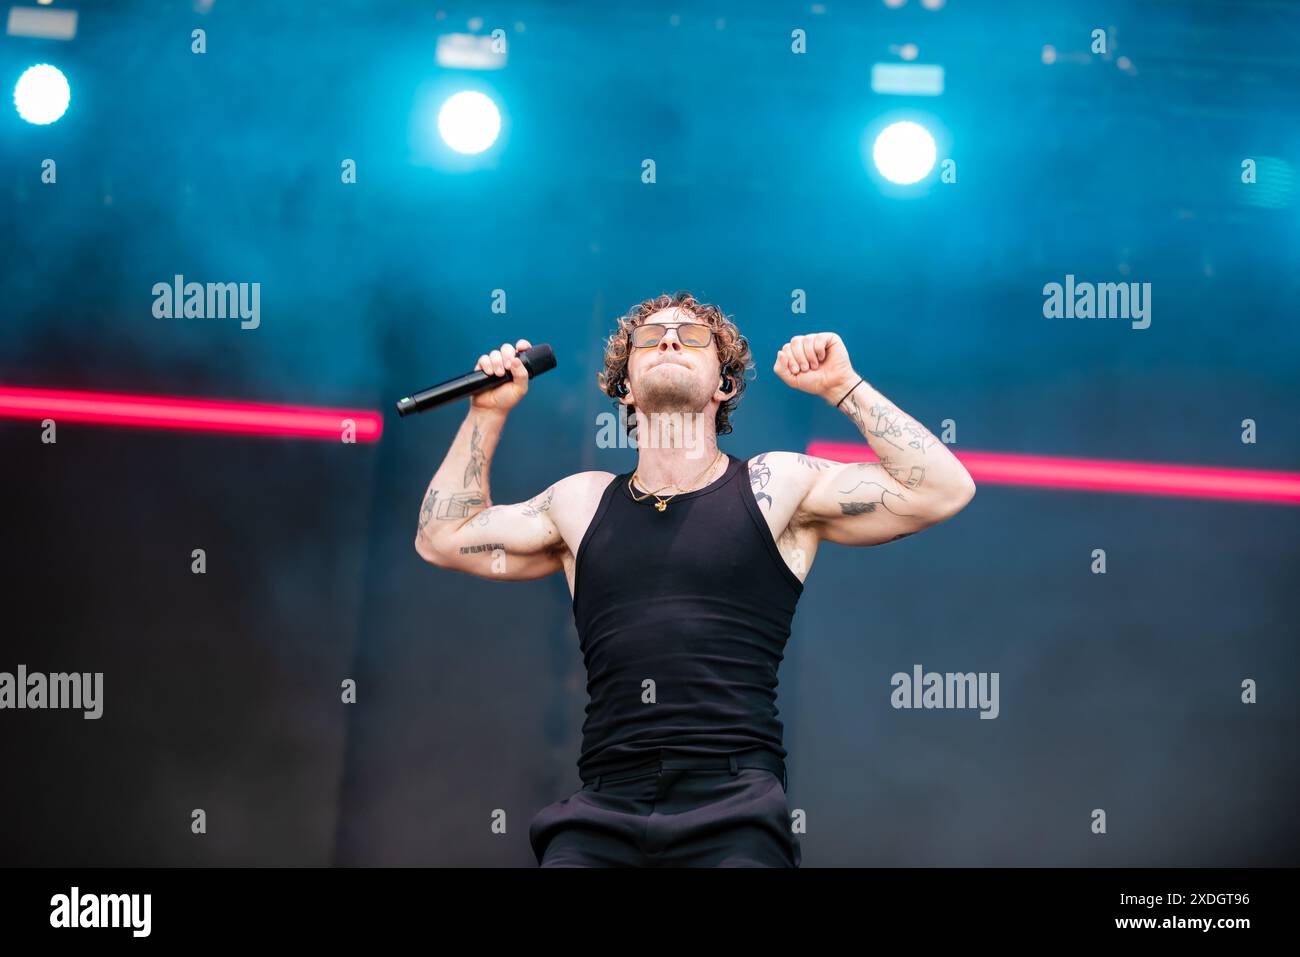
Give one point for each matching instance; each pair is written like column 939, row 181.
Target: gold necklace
column 662, row 503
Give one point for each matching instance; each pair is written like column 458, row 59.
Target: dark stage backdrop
column 222, row 690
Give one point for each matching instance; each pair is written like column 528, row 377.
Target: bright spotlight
column 469, row 122
column 41, row 95
column 904, row 152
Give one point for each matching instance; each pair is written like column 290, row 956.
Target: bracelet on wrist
column 850, row 392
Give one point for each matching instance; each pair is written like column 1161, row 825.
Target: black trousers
column 673, row 813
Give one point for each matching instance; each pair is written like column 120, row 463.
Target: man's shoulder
column 594, row 477
column 583, row 484
column 780, row 459
column 576, row 498
column 794, row 472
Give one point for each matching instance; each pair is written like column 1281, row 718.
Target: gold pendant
column 661, row 505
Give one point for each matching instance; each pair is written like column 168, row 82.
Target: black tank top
column 696, row 598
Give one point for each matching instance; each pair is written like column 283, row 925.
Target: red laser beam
column 188, row 415
column 248, row 418
column 1101, row 475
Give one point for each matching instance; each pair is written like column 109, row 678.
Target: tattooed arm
column 916, row 483
column 459, row 527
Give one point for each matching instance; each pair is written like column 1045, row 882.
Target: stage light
column 41, row 94
column 469, row 122
column 188, row 414
column 1102, row 475
column 904, row 152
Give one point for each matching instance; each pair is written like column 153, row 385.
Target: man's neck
column 688, row 464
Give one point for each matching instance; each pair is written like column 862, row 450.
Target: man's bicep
column 861, row 504
column 509, row 542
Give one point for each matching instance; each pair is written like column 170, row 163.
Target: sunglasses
column 697, row 335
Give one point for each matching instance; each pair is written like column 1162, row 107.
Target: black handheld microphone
column 536, row 359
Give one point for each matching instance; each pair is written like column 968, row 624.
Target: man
column 685, row 575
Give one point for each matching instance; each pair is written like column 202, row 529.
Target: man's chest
column 776, row 493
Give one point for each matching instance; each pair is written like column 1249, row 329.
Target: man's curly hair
column 733, row 350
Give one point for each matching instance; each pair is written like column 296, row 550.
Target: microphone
column 536, row 359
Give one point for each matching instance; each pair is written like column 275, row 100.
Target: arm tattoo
column 471, row 549
column 426, row 508
column 811, row 462
column 539, row 504
column 913, row 479
column 851, row 409
column 474, row 468
column 451, row 507
column 897, row 429
column 759, row 476
column 890, row 500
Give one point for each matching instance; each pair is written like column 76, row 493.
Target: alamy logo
column 102, row 910
column 35, row 690
column 654, row 430
column 947, row 690
column 1105, row 300
column 215, row 300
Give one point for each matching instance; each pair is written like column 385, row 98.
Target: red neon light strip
column 1100, row 475
column 247, row 418
column 189, row 415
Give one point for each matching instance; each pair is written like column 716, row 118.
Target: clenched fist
column 817, row 363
